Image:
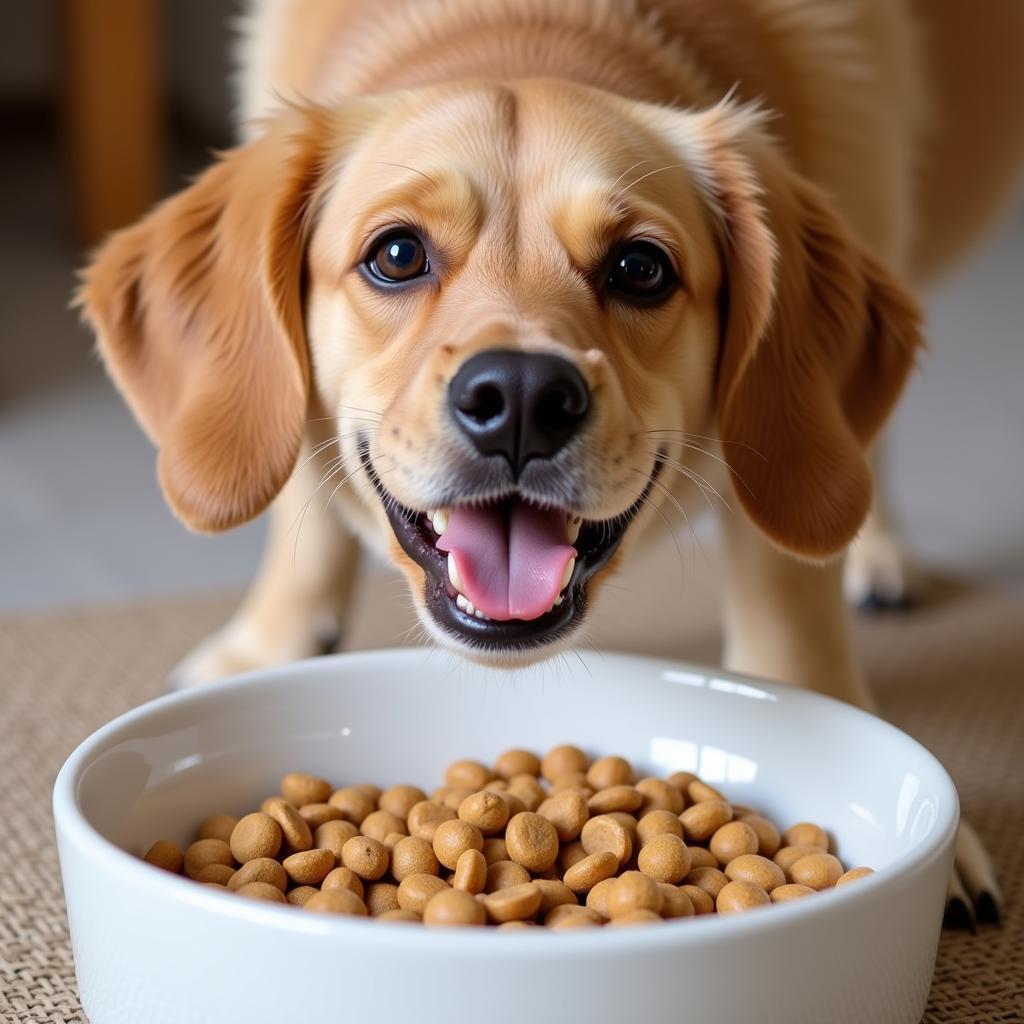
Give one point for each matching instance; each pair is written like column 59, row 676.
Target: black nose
column 522, row 405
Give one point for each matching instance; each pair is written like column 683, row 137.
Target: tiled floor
column 81, row 518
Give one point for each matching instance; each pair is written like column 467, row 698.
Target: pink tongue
column 510, row 561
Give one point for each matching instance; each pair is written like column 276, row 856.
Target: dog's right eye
column 398, row 256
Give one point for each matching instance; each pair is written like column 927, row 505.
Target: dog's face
column 505, row 300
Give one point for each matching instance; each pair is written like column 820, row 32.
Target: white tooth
column 470, row 608
column 572, row 529
column 558, row 601
column 480, row 615
column 440, row 521
column 567, row 575
column 461, row 601
column 453, row 572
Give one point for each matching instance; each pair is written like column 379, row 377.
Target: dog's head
column 512, row 303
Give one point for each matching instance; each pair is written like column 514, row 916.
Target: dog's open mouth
column 506, row 573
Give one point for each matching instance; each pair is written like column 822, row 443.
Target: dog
column 507, row 276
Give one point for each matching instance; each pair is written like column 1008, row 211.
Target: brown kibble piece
column 333, row 835
column 816, row 870
column 615, row 798
column 806, row 833
column 315, row 815
column 513, row 903
column 563, row 760
column 218, row 874
column 309, row 867
column 665, row 859
column 699, row 792
column 415, row 890
column 353, row 802
column 206, row 851
column 467, row 774
column 732, row 840
column 594, row 868
column 343, row 878
column 300, row 788
column 571, row 853
column 300, row 896
column 494, row 850
column 704, row 819
column 853, row 875
column 470, row 872
column 569, row 916
column 532, row 841
column 380, row 898
column 261, row 891
column 262, row 869
column 711, row 880
column 633, row 891
column 553, row 894
column 789, row 891
column 425, row 816
column 656, row 823
column 366, row 857
column 597, row 898
column 219, row 826
column 297, row 834
column 453, row 907
column 702, row 858
column 413, row 856
column 789, row 855
column 674, row 902
column 606, row 832
column 453, row 838
column 255, row 835
column 401, row 916
column 681, row 780
column 737, row 897
column 336, row 901
column 504, row 873
column 528, row 790
column 639, row 916
column 487, row 810
column 574, row 780
column 703, row 902
column 400, row 800
column 610, row 771
column 567, row 811
column 659, row 795
column 752, row 867
column 165, row 854
column 516, row 762
column 380, row 824
column 768, row 838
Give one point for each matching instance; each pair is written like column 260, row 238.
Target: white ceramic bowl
column 154, row 948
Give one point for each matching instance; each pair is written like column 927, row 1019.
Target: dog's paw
column 974, row 894
column 240, row 647
column 878, row 573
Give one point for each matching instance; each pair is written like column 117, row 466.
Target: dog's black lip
column 597, row 542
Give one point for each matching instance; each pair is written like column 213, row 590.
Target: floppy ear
column 198, row 311
column 818, row 340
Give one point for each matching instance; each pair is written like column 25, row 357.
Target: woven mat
column 950, row 674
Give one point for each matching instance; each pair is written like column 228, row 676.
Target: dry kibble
column 425, row 816
column 261, row 891
column 593, row 868
column 816, row 870
column 739, row 896
column 218, row 874
column 528, row 790
column 255, row 835
column 711, row 880
column 567, row 811
column 639, row 916
column 656, row 823
column 454, row 796
column 300, row 789
column 453, row 838
column 852, row 875
column 704, row 819
column 513, row 903
column 413, row 856
column 768, row 838
column 732, row 840
column 665, row 859
column 504, row 873
column 752, row 867
column 563, row 760
column 310, row 867
column 353, row 802
column 702, row 858
column 301, row 895
column 365, row 857
column 606, row 832
column 400, row 800
column 297, row 834
column 494, row 850
column 262, row 869
column 681, row 780
column 165, row 854
column 516, row 762
column 415, row 890
column 553, row 894
column 597, row 898
column 380, row 824
column 610, row 771
column 470, row 872
column 487, row 810
column 570, row 854
column 406, row 916
column 703, row 902
column 453, row 907
column 336, row 901
column 315, row 815
column 789, row 891
column 674, row 902
column 380, row 898
column 568, row 916
column 573, row 780
column 343, row 878
column 466, row 774
column 219, row 826
column 333, row 835
column 532, row 841
column 806, row 833
column 659, row 795
column 699, row 791
column 633, row 891
column 615, row 798
column 789, row 855
column 206, row 851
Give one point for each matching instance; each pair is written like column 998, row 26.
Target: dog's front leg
column 298, row 602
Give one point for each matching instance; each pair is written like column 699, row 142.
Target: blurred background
column 108, row 104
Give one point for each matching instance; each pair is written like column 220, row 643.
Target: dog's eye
column 641, row 272
column 398, row 256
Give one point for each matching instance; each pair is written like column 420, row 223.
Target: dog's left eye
column 398, row 256
column 641, row 272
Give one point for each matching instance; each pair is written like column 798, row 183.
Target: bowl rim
column 73, row 828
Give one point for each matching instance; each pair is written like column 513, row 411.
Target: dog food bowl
column 151, row 947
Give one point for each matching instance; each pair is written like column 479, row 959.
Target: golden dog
column 506, row 275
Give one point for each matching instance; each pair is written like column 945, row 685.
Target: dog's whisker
column 706, row 437
column 686, row 519
column 694, row 476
